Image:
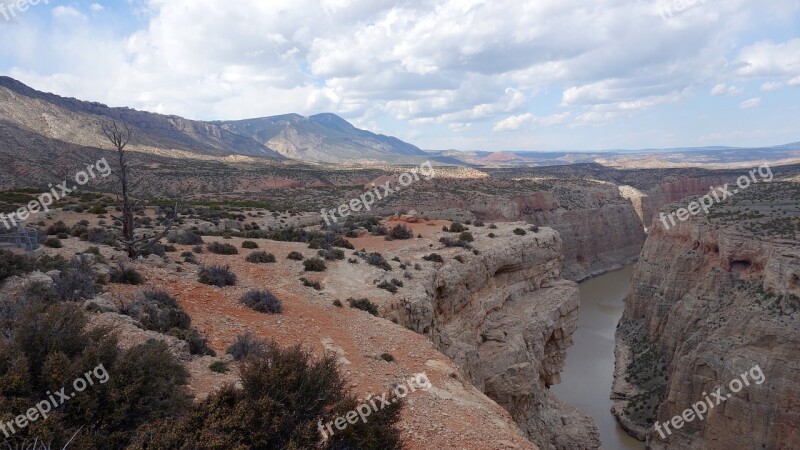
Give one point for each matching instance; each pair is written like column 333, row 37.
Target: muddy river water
column 589, row 372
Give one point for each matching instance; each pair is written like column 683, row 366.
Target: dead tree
column 133, row 246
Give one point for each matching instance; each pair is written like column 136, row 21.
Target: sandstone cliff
column 506, row 316
column 710, row 299
column 600, row 229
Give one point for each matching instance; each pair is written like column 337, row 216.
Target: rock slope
column 711, row 298
column 505, row 316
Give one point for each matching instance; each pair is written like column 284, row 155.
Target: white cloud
column 67, row 13
column 772, row 86
column 452, row 66
column 723, row 89
column 521, row 121
column 750, row 103
column 767, row 58
column 96, row 7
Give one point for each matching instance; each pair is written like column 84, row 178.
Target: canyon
column 711, row 298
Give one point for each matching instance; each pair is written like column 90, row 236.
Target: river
column 589, row 371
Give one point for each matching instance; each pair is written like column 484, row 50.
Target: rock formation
column 506, row 317
column 710, row 299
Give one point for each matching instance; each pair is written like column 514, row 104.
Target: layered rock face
column 711, row 298
column 601, row 230
column 506, row 317
column 676, row 190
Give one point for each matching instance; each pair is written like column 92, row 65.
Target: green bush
column 434, row 257
column 284, row 395
column 49, row 345
column 120, row 274
column 52, row 242
column 295, row 256
column 385, row 285
column 76, row 281
column 185, row 238
column 219, row 248
column 217, row 276
column 400, row 232
column 262, row 301
column 260, row 258
column 249, row 244
column 520, row 232
column 457, row 227
column 364, row 305
column 219, row 367
column 314, row 265
column 12, row 264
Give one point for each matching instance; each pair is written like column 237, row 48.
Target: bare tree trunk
column 133, row 246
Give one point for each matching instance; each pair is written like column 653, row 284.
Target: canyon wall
column 710, row 299
column 506, row 317
column 600, row 230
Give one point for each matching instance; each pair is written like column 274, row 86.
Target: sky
column 441, row 74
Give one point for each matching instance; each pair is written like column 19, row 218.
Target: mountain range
column 33, row 123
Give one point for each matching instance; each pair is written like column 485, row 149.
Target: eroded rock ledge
column 506, row 317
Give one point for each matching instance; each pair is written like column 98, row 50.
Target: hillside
column 78, row 122
column 322, row 138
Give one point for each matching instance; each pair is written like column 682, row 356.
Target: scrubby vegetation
column 44, row 349
column 312, row 284
column 122, row 274
column 295, row 256
column 219, row 248
column 219, row 276
column 434, row 257
column 249, row 244
column 314, row 265
column 185, row 238
column 375, row 259
column 285, row 393
column 364, row 305
column 76, row 281
column 262, row 301
column 158, row 311
column 400, row 231
column 260, row 257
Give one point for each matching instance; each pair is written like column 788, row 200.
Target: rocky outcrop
column 713, row 298
column 600, row 229
column 672, row 190
column 506, row 316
